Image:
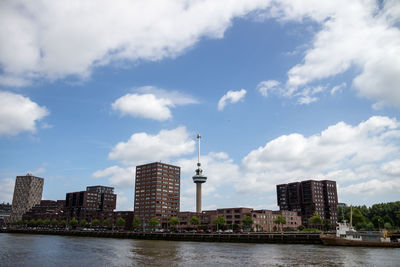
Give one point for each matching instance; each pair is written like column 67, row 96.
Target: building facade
column 5, row 212
column 157, row 192
column 27, row 193
column 308, row 197
column 86, row 204
column 47, row 209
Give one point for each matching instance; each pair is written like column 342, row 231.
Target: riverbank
column 273, row 238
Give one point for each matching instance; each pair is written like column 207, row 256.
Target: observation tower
column 198, row 179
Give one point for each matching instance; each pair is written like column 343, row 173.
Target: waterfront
column 46, row 250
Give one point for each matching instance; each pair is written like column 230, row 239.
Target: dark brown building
column 86, row 204
column 47, row 209
column 157, row 192
column 308, row 197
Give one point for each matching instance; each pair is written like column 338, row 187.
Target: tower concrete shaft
column 198, row 197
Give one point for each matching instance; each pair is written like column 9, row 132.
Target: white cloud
column 143, row 147
column 232, row 97
column 19, row 114
column 152, row 103
column 345, row 153
column 267, row 86
column 7, row 190
column 357, row 33
column 57, row 39
column 118, row 177
column 146, row 106
column 338, row 88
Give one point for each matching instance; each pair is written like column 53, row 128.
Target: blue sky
column 279, row 91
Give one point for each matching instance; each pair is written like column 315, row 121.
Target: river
column 46, row 250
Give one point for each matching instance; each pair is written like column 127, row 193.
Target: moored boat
column 347, row 236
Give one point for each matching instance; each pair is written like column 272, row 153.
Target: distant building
column 87, row 204
column 263, row 220
column 343, row 205
column 47, row 209
column 5, row 211
column 157, row 192
column 308, row 197
column 27, row 193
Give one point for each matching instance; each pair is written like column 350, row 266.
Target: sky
column 280, row 91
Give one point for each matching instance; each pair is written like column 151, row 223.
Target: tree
column 54, row 222
column 63, row 223
column 83, row 223
column 95, row 223
column 46, row 222
column 136, row 222
column 73, row 223
column 32, row 223
column 219, row 221
column 173, row 222
column 195, row 221
column 39, row 222
column 316, row 219
column 153, row 222
column 387, row 226
column 378, row 222
column 106, row 223
column 280, row 221
column 120, row 222
column 247, row 222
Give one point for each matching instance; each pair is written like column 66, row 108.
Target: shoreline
column 262, row 238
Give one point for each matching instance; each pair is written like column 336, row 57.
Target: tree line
column 376, row 217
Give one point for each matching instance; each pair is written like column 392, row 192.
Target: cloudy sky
column 281, row 91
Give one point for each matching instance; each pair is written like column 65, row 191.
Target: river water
column 46, row 250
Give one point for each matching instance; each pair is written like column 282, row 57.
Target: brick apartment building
column 87, row 204
column 157, row 192
column 308, row 197
column 47, row 209
column 263, row 220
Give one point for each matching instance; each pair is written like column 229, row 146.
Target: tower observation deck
column 198, row 178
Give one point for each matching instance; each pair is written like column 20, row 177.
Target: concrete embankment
column 275, row 238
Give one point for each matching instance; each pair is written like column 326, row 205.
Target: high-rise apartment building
column 308, row 197
column 157, row 192
column 27, row 193
column 86, row 204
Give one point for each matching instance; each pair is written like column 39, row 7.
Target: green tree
column 280, row 221
column 195, row 221
column 63, row 223
column 136, row 222
column 83, row 223
column 387, row 226
column 316, row 219
column 46, row 222
column 95, row 223
column 106, row 223
column 247, row 222
column 219, row 222
column 173, row 222
column 32, row 223
column 153, row 222
column 39, row 222
column 73, row 223
column 54, row 222
column 120, row 222
column 378, row 222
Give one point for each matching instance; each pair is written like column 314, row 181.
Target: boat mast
column 351, row 216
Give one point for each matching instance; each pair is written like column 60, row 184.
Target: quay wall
column 274, row 238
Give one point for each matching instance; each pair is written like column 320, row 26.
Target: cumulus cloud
column 7, row 190
column 151, row 103
column 143, row 147
column 360, row 34
column 57, row 39
column 265, row 87
column 345, row 153
column 231, row 97
column 118, row 177
column 19, row 114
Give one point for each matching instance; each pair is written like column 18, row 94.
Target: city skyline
column 280, row 92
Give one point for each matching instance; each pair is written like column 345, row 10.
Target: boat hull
column 337, row 241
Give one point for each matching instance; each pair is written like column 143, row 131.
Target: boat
column 346, row 235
